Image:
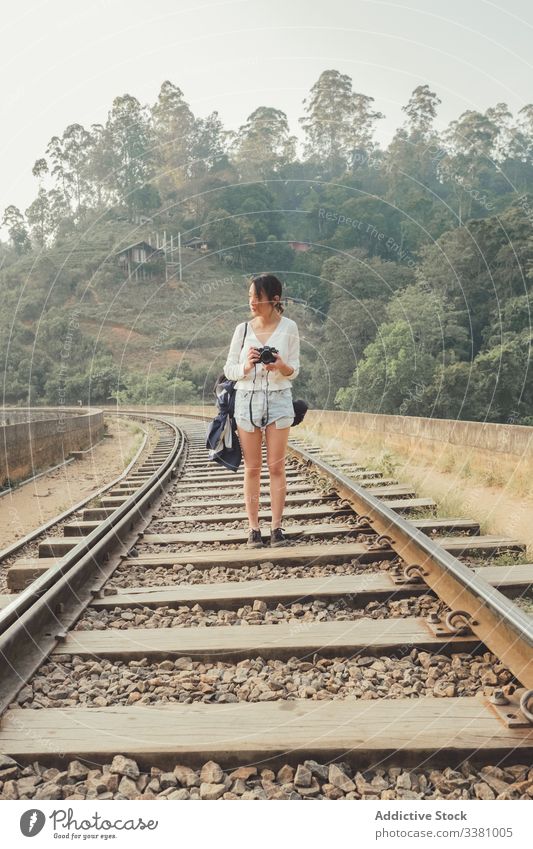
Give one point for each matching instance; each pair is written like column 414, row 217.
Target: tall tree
column 100, row 166
column 468, row 165
column 39, row 219
column 174, row 126
column 128, row 124
column 522, row 137
column 338, row 121
column 263, row 144
column 473, row 135
column 421, row 111
column 14, row 220
column 518, row 166
column 209, row 143
column 40, row 168
column 77, row 147
column 56, row 154
column 500, row 116
column 69, row 156
column 411, row 165
column 364, row 118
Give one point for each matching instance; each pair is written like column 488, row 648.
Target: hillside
column 158, row 340
column 166, row 324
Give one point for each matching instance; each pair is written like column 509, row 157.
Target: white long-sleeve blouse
column 285, row 338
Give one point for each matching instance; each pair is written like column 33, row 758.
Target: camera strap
column 252, row 395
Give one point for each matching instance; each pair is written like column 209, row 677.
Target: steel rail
column 38, row 618
column 502, row 626
column 29, row 537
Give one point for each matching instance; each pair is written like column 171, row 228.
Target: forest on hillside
column 414, row 263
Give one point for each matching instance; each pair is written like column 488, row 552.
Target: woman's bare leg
column 251, row 452
column 276, row 442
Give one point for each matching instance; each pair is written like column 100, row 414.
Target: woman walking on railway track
column 263, row 398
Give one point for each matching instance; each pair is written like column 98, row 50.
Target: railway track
column 375, row 656
column 13, row 580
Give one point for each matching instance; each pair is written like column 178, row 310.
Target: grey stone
column 26, row 786
column 127, row 788
column 285, row 774
column 331, row 792
column 97, row 785
column 403, row 781
column 483, row 791
column 49, row 791
column 211, row 773
column 125, row 766
column 50, row 774
column 238, row 787
column 339, row 779
column 274, row 791
column 494, row 781
column 320, row 771
column 10, row 790
column 211, row 791
column 111, row 781
column 303, row 776
column 180, row 794
column 407, row 794
column 9, row 773
column 312, row 790
column 77, row 771
column 363, row 787
column 186, row 776
column 166, row 780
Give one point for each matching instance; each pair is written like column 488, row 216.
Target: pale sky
column 63, row 61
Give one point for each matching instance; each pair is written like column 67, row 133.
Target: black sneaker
column 254, row 539
column 277, row 537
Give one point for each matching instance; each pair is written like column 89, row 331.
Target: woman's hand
column 251, row 360
column 278, row 365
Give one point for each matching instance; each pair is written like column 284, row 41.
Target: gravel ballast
column 122, row 778
column 181, row 572
column 72, row 681
column 256, row 613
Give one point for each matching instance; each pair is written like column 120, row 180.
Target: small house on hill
column 196, row 243
column 141, row 260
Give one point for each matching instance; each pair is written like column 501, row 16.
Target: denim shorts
column 280, row 409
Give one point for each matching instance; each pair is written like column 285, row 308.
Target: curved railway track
column 375, row 656
column 14, row 580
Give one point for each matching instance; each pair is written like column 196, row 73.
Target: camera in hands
column 266, row 354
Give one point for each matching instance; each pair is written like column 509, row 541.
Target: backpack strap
column 244, row 336
column 222, row 376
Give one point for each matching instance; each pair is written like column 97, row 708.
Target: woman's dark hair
column 271, row 286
